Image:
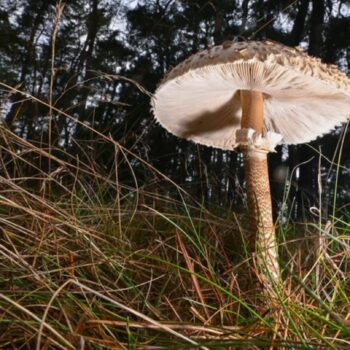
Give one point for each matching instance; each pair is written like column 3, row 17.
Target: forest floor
column 90, row 262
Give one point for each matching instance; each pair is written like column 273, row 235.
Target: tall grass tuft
column 96, row 260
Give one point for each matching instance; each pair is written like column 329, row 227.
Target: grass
column 89, row 261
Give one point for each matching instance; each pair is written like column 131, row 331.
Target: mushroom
column 252, row 96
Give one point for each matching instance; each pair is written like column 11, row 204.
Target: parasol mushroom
column 252, row 96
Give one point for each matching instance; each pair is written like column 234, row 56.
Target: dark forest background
column 98, row 42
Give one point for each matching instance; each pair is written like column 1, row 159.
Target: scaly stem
column 262, row 241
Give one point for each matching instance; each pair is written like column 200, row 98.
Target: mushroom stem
column 252, row 110
column 263, row 240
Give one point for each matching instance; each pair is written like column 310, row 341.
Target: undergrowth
column 90, row 261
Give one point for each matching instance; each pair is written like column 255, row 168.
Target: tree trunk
column 86, row 62
column 307, row 181
column 316, row 28
column 297, row 32
column 28, row 61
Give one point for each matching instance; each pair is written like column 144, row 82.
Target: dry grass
column 95, row 260
column 88, row 261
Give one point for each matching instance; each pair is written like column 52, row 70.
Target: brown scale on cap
column 295, row 58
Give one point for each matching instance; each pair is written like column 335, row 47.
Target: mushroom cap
column 303, row 98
